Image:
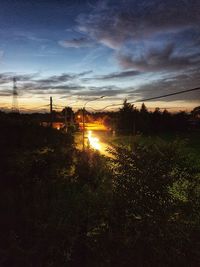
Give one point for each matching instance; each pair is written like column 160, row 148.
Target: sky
column 78, row 51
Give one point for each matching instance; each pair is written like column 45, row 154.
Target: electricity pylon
column 15, row 108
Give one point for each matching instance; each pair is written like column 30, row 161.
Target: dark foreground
column 62, row 207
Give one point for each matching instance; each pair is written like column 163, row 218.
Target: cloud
column 145, row 36
column 159, row 60
column 71, row 89
column 132, row 20
column 7, row 77
column 116, row 75
column 36, row 88
column 65, row 77
column 170, row 85
column 30, row 84
column 5, row 92
column 85, row 73
column 76, row 89
column 98, row 91
column 62, row 78
column 66, row 85
column 76, row 43
column 27, row 35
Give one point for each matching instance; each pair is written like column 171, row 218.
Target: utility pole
column 65, row 115
column 83, row 127
column 51, row 111
column 134, row 128
column 66, row 123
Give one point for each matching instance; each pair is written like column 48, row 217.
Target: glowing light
column 93, row 141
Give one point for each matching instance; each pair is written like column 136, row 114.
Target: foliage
column 196, row 112
column 156, row 206
column 132, row 120
column 63, row 207
column 127, row 116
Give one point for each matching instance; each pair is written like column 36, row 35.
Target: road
column 96, row 138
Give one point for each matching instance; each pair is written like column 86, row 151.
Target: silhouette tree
column 69, row 119
column 196, row 112
column 144, row 123
column 143, row 109
column 127, row 118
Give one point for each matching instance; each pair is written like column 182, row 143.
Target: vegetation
column 156, row 190
column 190, row 140
column 131, row 120
column 64, row 207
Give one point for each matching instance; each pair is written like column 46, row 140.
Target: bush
column 155, row 215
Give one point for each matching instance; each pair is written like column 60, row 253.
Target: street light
column 84, row 117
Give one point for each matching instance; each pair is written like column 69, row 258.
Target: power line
column 153, row 98
column 119, row 104
column 161, row 96
column 145, row 99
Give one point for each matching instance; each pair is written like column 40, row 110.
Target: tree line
column 130, row 120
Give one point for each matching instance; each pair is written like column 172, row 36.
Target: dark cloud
column 42, row 88
column 26, row 77
column 140, row 33
column 101, row 91
column 29, row 84
column 31, row 81
column 159, row 59
column 85, row 73
column 4, row 78
column 62, row 87
column 72, row 90
column 5, row 92
column 65, row 77
column 59, row 85
column 57, row 79
column 132, row 19
column 7, row 77
column 117, row 75
column 170, row 85
column 76, row 43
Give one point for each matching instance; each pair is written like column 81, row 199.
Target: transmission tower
column 15, row 108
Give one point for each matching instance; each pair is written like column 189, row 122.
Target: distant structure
column 15, row 108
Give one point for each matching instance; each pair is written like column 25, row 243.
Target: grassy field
column 191, row 141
